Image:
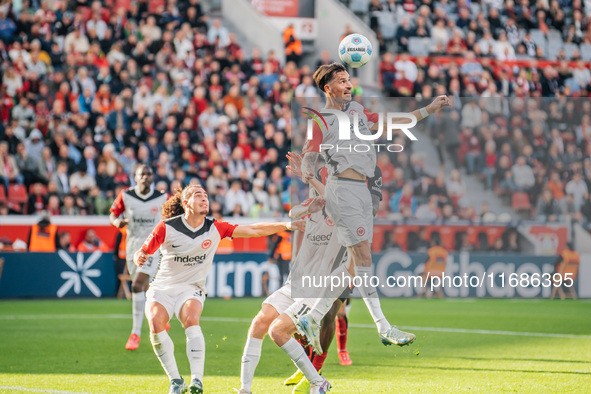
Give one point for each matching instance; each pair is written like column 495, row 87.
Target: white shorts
column 348, row 203
column 149, row 268
column 300, row 307
column 280, row 299
column 173, row 298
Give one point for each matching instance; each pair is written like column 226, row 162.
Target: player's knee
column 260, row 325
column 278, row 332
column 138, row 287
column 157, row 324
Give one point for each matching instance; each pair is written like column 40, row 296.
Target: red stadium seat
column 2, row 194
column 18, row 197
column 520, row 201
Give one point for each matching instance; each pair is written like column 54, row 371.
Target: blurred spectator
column 82, row 179
column 9, row 171
column 523, row 175
column 65, row 242
column 236, row 203
column 43, row 236
column 91, row 243
column 404, row 198
column 578, row 189
column 547, row 208
column 37, row 200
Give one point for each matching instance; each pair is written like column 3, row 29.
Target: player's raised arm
column 435, row 106
column 264, row 229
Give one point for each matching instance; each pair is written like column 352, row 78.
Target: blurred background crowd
column 91, row 88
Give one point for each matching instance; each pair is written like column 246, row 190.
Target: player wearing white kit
column 187, row 240
column 139, row 209
column 348, row 201
column 318, row 255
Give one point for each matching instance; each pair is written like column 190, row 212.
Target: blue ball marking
column 356, row 57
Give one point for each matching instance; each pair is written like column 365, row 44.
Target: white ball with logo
column 355, row 50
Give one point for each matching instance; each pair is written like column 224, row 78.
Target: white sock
column 328, row 296
column 370, row 296
column 164, row 349
column 296, row 352
column 196, row 351
column 138, row 302
column 250, row 360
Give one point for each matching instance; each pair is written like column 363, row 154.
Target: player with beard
column 188, row 241
column 348, row 201
column 139, row 209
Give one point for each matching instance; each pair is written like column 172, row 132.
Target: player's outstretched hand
column 295, row 161
column 438, row 104
column 317, row 204
column 140, row 257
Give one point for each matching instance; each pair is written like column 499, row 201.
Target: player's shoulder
column 156, row 194
column 171, row 221
column 177, row 223
column 355, row 105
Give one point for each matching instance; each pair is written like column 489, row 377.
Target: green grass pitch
column 527, row 346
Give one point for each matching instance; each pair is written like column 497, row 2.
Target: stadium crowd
column 90, row 89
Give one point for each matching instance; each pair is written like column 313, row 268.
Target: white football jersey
column 143, row 212
column 320, row 252
column 354, row 153
column 187, row 253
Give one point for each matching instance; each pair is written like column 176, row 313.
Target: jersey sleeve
column 118, row 207
column 225, row 229
column 372, row 117
column 155, row 239
column 375, row 183
column 313, row 144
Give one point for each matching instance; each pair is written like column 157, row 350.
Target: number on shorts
column 303, row 310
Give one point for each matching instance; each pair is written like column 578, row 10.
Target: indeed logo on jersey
column 190, row 260
column 319, row 239
column 350, row 123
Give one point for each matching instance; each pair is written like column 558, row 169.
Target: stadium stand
column 108, row 84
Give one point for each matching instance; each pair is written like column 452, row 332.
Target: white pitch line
column 242, row 320
column 38, row 390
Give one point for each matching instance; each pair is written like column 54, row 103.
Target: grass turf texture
column 78, row 346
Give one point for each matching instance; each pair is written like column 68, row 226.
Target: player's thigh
column 158, row 313
column 349, row 205
column 189, row 304
column 191, row 312
column 282, row 328
column 262, row 321
column 140, row 282
column 280, row 300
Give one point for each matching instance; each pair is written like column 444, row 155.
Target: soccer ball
column 355, row 50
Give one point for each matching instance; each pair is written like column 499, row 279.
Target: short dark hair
column 326, row 73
